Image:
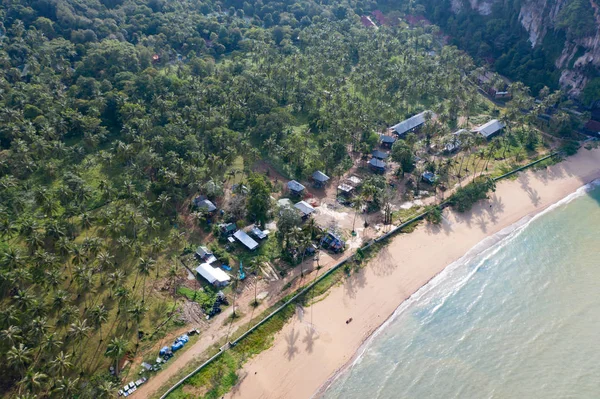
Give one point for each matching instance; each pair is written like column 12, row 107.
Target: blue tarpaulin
column 176, row 346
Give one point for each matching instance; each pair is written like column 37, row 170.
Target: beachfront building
column 305, row 209
column 320, row 179
column 213, row 275
column 246, row 240
column 332, row 242
column 490, row 129
column 377, row 165
column 387, row 141
column 205, row 255
column 296, row 188
column 411, row 124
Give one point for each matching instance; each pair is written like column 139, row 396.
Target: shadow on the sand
column 354, row 282
column 291, row 340
column 384, row 263
column 310, row 337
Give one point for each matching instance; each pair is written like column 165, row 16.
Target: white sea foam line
column 488, row 246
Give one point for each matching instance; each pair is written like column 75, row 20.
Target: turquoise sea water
column 520, row 319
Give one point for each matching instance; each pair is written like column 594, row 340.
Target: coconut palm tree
column 145, row 265
column 115, row 350
column 66, row 387
column 11, row 335
column 19, row 357
column 78, row 331
column 32, row 381
column 61, row 364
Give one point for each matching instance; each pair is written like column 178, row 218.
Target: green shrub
column 434, row 216
column 466, row 197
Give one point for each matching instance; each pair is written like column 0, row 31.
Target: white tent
column 213, row 275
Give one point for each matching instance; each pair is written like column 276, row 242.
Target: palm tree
column 61, row 364
column 33, row 381
column 78, row 331
column 145, row 265
column 137, row 312
column 305, row 243
column 12, row 335
column 67, row 387
column 359, row 202
column 106, row 389
column 115, row 350
column 19, row 357
column 99, row 316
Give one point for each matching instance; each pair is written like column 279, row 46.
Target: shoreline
column 373, row 295
column 501, row 236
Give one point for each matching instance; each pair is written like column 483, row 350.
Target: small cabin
column 296, row 188
column 320, row 179
column 377, row 165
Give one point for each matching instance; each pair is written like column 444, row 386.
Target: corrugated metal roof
column 259, row 233
column 207, row 204
column 490, row 128
column 304, row 207
column 388, row 139
column 245, row 239
column 380, row 154
column 411, row 123
column 320, row 176
column 377, row 163
column 295, row 186
column 212, row 274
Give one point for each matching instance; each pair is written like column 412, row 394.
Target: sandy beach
column 318, row 342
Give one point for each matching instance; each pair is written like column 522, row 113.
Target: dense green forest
column 115, row 114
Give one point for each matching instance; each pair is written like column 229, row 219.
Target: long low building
column 246, row 240
column 214, row 276
column 411, row 123
column 490, row 129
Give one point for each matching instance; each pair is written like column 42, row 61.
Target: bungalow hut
column 354, row 181
column 305, row 209
column 214, row 276
column 246, row 240
column 454, row 143
column 490, row 129
column 387, row 141
column 345, row 189
column 203, row 203
column 429, row 177
column 380, row 154
column 227, row 229
column 319, row 178
column 377, row 165
column 296, row 188
column 205, row 254
column 411, row 124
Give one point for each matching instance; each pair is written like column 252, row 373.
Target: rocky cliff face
column 539, row 17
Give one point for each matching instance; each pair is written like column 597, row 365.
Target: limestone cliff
column 580, row 53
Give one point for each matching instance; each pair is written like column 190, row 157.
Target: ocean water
column 517, row 317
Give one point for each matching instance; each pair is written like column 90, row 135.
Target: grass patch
column 203, row 297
